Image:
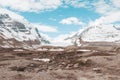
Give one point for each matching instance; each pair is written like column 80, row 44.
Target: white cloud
column 45, row 28
column 71, row 20
column 78, row 3
column 105, row 7
column 17, row 17
column 45, row 36
column 108, row 19
column 41, row 5
column 60, row 40
column 31, row 5
column 116, row 3
column 102, row 7
column 52, row 19
column 110, row 13
column 64, row 39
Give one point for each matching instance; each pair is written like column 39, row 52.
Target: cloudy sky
column 58, row 18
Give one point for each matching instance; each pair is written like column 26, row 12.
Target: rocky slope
column 16, row 32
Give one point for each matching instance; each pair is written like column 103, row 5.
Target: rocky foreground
column 59, row 65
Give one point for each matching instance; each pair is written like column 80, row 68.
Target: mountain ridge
column 15, row 33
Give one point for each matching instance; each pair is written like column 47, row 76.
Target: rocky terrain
column 84, row 64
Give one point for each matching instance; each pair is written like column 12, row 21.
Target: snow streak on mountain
column 15, row 31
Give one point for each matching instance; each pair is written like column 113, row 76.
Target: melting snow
column 84, row 50
column 43, row 59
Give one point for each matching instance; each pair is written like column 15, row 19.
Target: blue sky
column 59, row 18
column 54, row 17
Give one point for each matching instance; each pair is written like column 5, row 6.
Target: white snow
column 56, row 50
column 42, row 49
column 43, row 59
column 102, row 33
column 28, row 33
column 18, row 50
column 20, row 36
column 84, row 50
column 12, row 14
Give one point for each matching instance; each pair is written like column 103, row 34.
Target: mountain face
column 101, row 33
column 106, row 33
column 17, row 34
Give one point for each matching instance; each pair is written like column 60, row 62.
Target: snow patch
column 44, row 59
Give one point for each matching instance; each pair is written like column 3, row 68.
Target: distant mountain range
column 17, row 32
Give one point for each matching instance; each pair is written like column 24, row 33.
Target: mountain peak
column 106, row 33
column 15, row 33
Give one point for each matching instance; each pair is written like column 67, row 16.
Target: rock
column 84, row 61
column 60, row 66
column 76, row 65
column 33, row 65
column 20, row 68
column 88, row 61
column 50, row 68
column 98, row 70
column 68, row 66
column 63, row 63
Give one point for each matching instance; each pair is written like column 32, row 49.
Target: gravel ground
column 59, row 65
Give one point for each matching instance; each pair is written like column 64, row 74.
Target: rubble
column 33, row 65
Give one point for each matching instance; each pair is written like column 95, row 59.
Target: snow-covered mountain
column 15, row 31
column 108, row 33
column 101, row 33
